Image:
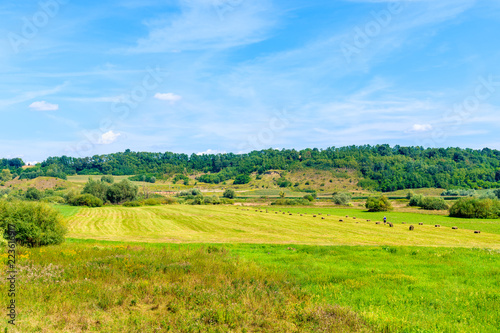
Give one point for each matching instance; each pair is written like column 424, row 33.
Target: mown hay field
column 230, row 224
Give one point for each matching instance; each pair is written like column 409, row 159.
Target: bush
column 430, row 203
column 476, row 208
column 152, row 202
column 378, row 204
column 309, row 197
column 107, row 179
column 229, row 193
column 242, row 179
column 342, row 198
column 416, row 200
column 86, row 200
column 33, row 194
column 36, row 224
column 96, row 188
column 122, row 191
column 132, row 204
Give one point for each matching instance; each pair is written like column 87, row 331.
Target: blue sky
column 80, row 78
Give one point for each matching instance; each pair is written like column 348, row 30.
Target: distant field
column 85, row 178
column 230, row 224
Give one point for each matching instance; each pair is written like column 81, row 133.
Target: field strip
column 223, row 224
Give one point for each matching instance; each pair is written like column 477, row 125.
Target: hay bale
column 377, row 222
column 477, row 231
column 421, row 223
column 347, row 216
column 437, row 226
column 291, row 214
column 322, row 217
column 301, row 215
column 341, row 220
column 275, row 212
column 411, row 228
column 368, row 220
column 391, row 225
column 314, row 215
column 454, row 228
column 403, row 222
column 327, row 214
column 354, row 217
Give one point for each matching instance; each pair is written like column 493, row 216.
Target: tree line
column 379, row 167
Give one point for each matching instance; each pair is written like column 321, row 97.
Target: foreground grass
column 110, row 287
column 107, row 287
column 229, row 224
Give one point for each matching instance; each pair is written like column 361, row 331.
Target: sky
column 82, row 78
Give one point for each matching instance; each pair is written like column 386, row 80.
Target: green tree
column 122, row 191
column 33, row 194
column 282, row 194
column 342, row 198
column 242, row 179
column 378, row 204
column 229, row 193
column 36, row 224
column 5, row 175
column 108, row 179
column 96, row 188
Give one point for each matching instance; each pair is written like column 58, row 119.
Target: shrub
column 229, row 193
column 33, row 194
column 86, row 200
column 36, row 224
column 242, row 179
column 107, row 179
column 497, row 192
column 416, row 200
column 342, row 198
column 132, row 204
column 309, row 197
column 152, row 202
column 122, row 191
column 430, row 203
column 96, row 188
column 378, row 204
column 476, row 208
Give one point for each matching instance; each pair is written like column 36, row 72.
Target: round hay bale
column 391, row 225
column 284, row 213
column 403, row 222
column 368, row 220
column 314, row 215
column 454, row 228
column 322, row 217
column 275, row 212
column 301, row 215
column 347, row 216
column 411, row 228
column 291, row 214
column 354, row 217
column 437, row 226
column 477, row 231
column 421, row 223
column 341, row 220
column 377, row 222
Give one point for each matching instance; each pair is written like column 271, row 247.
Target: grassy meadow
column 230, row 224
column 184, row 268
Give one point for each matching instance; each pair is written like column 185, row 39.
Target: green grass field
column 241, row 269
column 223, row 224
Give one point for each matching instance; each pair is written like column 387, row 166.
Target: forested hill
column 379, row 167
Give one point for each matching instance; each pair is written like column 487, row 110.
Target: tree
column 342, row 198
column 229, row 193
column 378, row 204
column 107, row 179
column 36, row 224
column 86, row 200
column 122, row 191
column 33, row 194
column 242, row 179
column 5, row 175
column 282, row 194
column 96, row 188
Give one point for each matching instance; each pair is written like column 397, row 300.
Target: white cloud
column 44, row 106
column 108, row 138
column 421, row 127
column 170, row 97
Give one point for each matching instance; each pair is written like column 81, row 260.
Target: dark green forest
column 379, row 167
